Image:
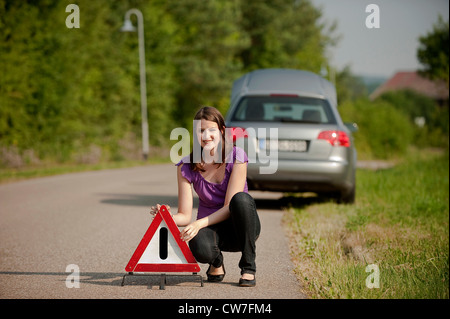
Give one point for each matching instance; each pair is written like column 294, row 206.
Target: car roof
column 283, row 81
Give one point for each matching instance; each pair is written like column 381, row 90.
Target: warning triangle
column 161, row 249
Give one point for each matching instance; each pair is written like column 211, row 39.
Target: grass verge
column 399, row 224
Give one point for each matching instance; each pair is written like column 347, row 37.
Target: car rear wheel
column 347, row 197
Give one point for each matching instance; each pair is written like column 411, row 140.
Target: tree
column 349, row 86
column 68, row 93
column 433, row 52
column 283, row 33
column 208, row 38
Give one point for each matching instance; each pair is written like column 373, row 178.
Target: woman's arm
column 237, row 181
column 185, row 200
column 235, row 184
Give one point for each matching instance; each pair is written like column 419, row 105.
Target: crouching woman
column 227, row 219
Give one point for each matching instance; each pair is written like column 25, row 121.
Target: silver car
column 288, row 123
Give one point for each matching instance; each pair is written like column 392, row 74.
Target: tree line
column 73, row 94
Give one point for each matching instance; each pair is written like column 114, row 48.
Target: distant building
column 415, row 82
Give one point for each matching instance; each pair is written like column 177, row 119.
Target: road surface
column 94, row 221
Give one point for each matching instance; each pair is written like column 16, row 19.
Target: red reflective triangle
column 189, row 266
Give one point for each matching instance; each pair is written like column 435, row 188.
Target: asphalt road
column 95, row 220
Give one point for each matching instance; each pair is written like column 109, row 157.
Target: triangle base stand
column 163, row 278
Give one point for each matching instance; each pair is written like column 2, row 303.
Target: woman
column 227, row 219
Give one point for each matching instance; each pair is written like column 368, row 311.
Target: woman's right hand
column 154, row 210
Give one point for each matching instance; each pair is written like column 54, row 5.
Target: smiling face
column 209, row 135
column 209, row 130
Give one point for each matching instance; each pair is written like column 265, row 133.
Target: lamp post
column 128, row 27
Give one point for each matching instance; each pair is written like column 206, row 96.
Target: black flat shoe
column 215, row 278
column 247, row 282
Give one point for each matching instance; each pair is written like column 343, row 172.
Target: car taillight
column 238, row 132
column 335, row 138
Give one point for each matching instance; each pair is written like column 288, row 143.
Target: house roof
column 413, row 81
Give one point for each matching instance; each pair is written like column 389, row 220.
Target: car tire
column 347, row 197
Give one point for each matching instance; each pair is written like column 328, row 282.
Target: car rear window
column 284, row 109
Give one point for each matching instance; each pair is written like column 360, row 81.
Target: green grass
column 400, row 222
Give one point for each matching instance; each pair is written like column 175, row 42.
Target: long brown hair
column 212, row 114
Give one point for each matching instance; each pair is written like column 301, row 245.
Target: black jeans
column 237, row 233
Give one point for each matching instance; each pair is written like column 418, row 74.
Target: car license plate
column 284, row 145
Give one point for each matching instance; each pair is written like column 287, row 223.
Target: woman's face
column 209, row 135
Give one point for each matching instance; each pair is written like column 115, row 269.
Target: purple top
column 212, row 195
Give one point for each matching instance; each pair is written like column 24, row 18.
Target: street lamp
column 128, row 27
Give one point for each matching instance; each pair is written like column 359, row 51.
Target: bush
column 384, row 131
column 414, row 105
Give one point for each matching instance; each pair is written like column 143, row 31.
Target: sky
column 385, row 50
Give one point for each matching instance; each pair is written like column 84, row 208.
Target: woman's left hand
column 190, row 231
column 154, row 210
